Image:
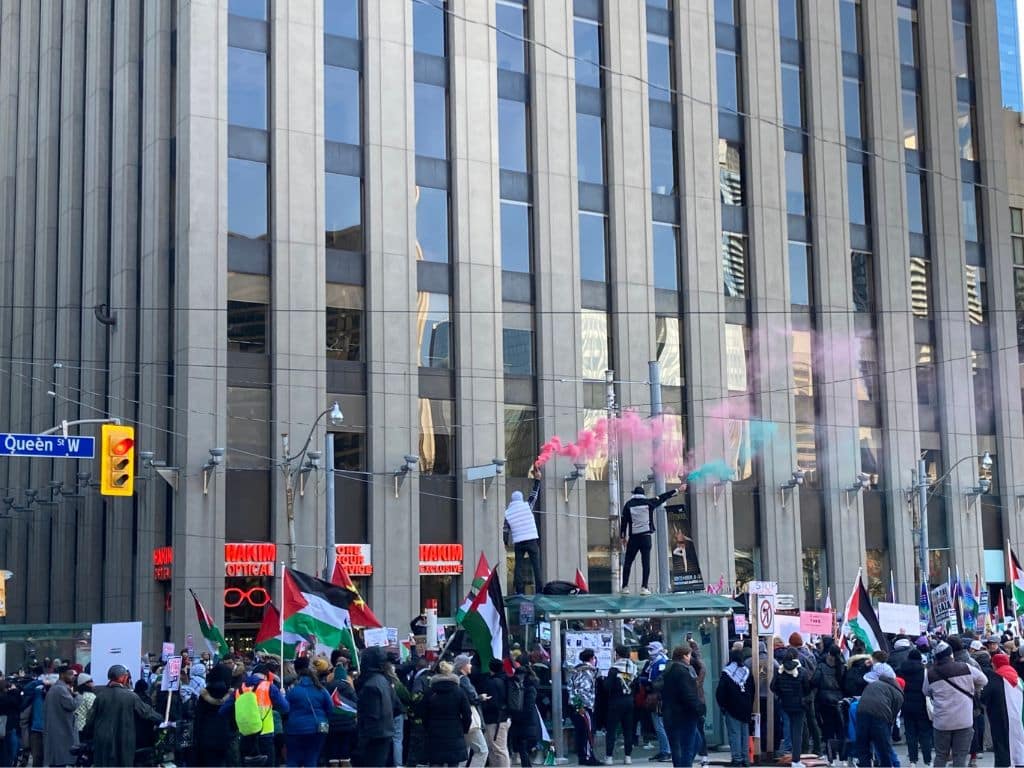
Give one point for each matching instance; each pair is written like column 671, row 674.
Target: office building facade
column 453, row 218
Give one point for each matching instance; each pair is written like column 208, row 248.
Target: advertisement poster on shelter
column 601, row 642
column 685, row 568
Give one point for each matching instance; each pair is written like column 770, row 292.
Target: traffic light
column 117, row 460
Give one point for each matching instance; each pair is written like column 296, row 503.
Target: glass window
column 849, row 25
column 343, row 212
column 803, row 372
column 587, row 47
column 595, row 343
column 344, row 322
column 1017, row 221
column 434, row 328
column 342, row 105
column 247, row 88
column 867, row 384
column 910, row 120
column 789, row 19
column 659, row 67
column 248, row 301
column 730, row 172
column 350, row 487
column 247, row 199
column 511, row 23
column 512, row 136
column 871, row 452
column 920, row 286
column 248, row 427
column 428, row 26
column 852, row 108
column 792, row 96
column 862, row 276
column 431, row 121
column 593, row 248
column 669, row 350
column 969, row 204
column 521, row 439
column 725, row 12
column 796, row 184
column 515, row 236
column 734, row 265
column 799, row 274
column 728, row 80
column 975, row 288
column 856, row 186
column 517, row 346
column 253, row 9
column 916, row 220
column 663, row 161
column 927, row 386
column 666, row 269
column 961, row 49
column 908, row 35
column 341, row 18
column 965, row 131
column 437, row 445
column 432, row 224
column 1018, row 251
column 589, row 148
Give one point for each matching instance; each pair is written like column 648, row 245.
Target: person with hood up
column 681, row 706
column 475, row 739
column 791, row 685
column 735, row 696
column 524, row 732
column 618, row 688
column 952, row 686
column 827, row 683
column 521, row 532
column 636, row 531
column 213, row 733
column 916, row 723
column 341, row 737
column 375, row 711
column 582, row 697
column 876, row 714
column 61, row 734
column 857, row 666
column 446, row 714
column 495, row 714
column 1004, row 703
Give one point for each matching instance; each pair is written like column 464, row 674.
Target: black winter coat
column 737, row 702
column 853, row 681
column 376, row 705
column 526, row 724
column 912, row 673
column 211, row 731
column 678, row 687
column 339, row 721
column 494, row 707
column 446, row 718
column 828, row 681
column 791, row 686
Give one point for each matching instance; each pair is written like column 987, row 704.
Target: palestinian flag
column 268, row 639
column 344, row 706
column 211, row 633
column 317, row 612
column 486, row 624
column 860, row 621
column 358, row 611
column 483, row 570
column 1017, row 581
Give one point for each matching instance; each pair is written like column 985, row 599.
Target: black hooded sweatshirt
column 376, row 706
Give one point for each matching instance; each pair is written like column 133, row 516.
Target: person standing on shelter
column 636, row 531
column 521, row 529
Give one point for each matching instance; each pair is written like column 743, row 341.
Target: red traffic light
column 121, row 447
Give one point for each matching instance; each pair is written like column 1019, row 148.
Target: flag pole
column 280, row 616
column 892, row 585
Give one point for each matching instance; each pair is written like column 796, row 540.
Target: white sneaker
column 797, row 764
column 628, row 760
column 609, row 761
column 624, row 591
column 705, row 760
column 644, row 591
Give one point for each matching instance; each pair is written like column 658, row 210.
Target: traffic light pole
column 63, row 426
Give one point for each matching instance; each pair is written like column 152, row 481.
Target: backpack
column 247, row 714
column 515, row 695
column 560, row 588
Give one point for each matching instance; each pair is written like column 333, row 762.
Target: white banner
column 118, row 643
column 899, row 619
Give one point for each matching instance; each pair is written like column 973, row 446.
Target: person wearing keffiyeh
column 735, row 695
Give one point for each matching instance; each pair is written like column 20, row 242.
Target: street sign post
column 47, row 446
column 758, row 590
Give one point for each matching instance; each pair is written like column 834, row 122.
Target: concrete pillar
column 393, row 414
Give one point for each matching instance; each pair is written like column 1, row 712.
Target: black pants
column 796, row 732
column 919, row 735
column 583, row 724
column 522, row 549
column 374, row 752
column 620, row 712
column 638, row 543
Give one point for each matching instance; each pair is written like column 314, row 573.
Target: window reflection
column 659, row 67
column 593, row 248
column 863, row 281
column 589, row 148
column 975, row 294
column 734, row 265
column 669, row 350
column 867, row 384
column 344, row 322
column 796, row 184
column 727, row 76
column 803, row 372
column 511, row 23
column 248, row 301
column 341, row 18
column 910, row 119
column 915, row 203
column 248, row 427
column 247, row 88
column 969, row 204
column 434, row 329
column 907, row 20
column 849, row 25
column 595, row 343
column 806, row 452
column 666, row 262
column 965, row 131
column 792, row 96
column 428, row 24
column 517, row 346
column 856, row 186
column 341, row 105
column 515, row 236
column 587, row 51
column 431, row 121
column 521, row 439
column 920, row 286
column 871, row 453
column 851, row 108
column 343, row 212
column 789, row 19
column 432, row 224
column 961, row 49
column 663, row 161
column 730, row 172
column 437, row 447
column 512, row 135
column 253, row 9
column 799, row 274
column 247, row 199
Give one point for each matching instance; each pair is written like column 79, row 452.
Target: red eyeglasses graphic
column 257, row 597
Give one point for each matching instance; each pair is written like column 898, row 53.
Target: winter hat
column 776, row 642
column 796, row 640
column 462, row 660
column 1000, row 660
column 517, row 495
column 638, row 491
column 84, row 677
column 902, row 643
column 655, row 647
column 922, row 642
column 976, row 645
column 217, row 689
column 320, row 666
column 943, row 651
column 882, row 672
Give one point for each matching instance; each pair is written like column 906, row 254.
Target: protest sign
column 375, row 637
column 816, row 623
column 899, row 618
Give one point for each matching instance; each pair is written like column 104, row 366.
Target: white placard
column 117, row 643
column 375, row 637
column 763, row 587
column 171, row 680
column 898, row 618
column 787, row 625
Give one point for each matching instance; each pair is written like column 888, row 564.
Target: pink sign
column 814, row 623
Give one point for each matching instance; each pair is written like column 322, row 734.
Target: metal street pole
column 613, row 482
column 922, row 502
column 661, row 523
column 331, row 555
column 289, row 501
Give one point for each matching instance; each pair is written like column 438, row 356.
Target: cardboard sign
column 816, row 623
column 392, row 633
column 190, row 643
column 899, row 619
column 377, row 637
column 166, row 651
column 171, row 680
column 763, row 587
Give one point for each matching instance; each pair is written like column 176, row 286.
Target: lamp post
column 290, row 470
column 923, row 495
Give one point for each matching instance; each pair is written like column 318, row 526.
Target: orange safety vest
column 263, row 701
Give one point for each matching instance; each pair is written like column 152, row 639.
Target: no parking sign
column 765, row 615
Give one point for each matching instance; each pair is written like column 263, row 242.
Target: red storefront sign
column 163, row 560
column 355, row 559
column 440, row 559
column 249, row 559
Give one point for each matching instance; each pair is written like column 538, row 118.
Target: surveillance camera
column 216, row 455
column 864, row 479
column 581, row 466
column 146, row 456
column 499, row 466
column 798, row 476
column 411, row 460
column 986, row 461
column 31, row 493
column 9, row 501
column 314, row 458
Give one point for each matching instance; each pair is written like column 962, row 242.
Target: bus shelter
column 22, row 645
column 681, row 613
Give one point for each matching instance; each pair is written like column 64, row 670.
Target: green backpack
column 248, row 717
